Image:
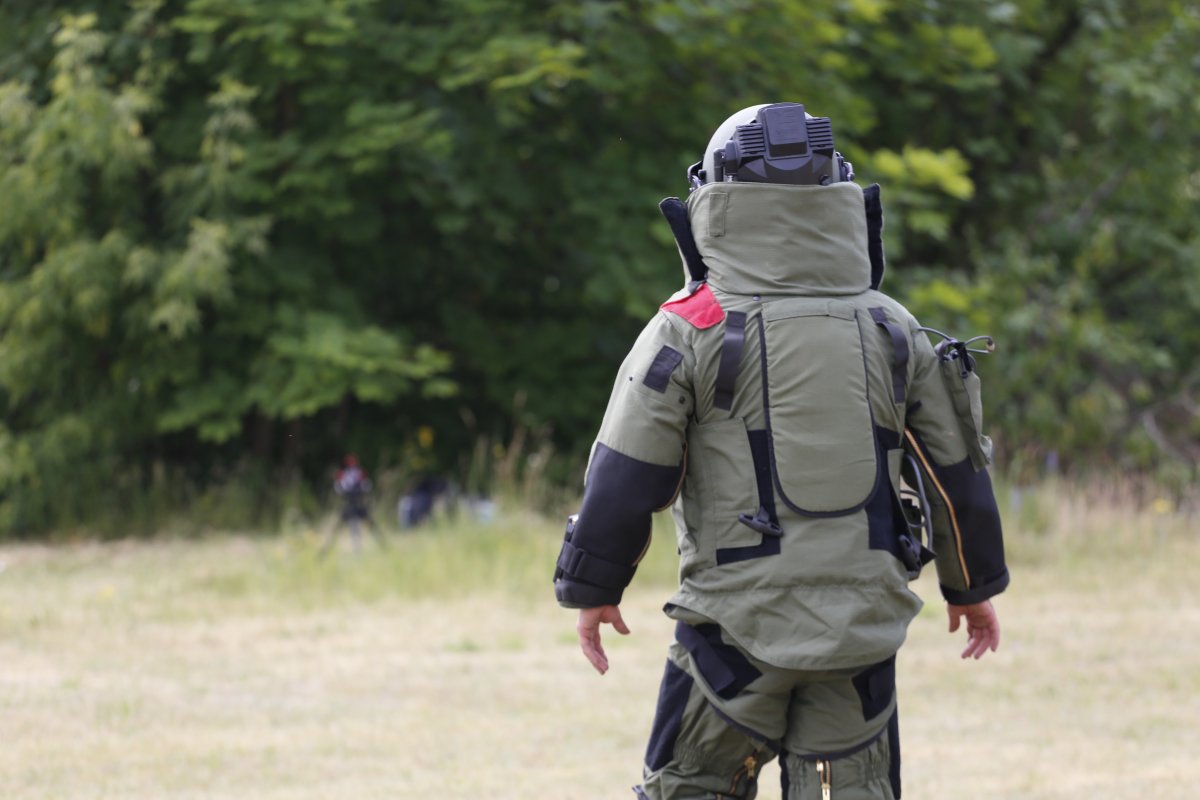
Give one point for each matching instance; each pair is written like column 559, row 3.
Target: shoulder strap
column 899, row 352
column 731, row 358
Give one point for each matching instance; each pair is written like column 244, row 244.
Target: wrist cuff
column 978, row 593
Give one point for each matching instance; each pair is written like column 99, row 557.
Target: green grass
column 250, row 667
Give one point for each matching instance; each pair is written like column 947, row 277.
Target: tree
column 250, row 234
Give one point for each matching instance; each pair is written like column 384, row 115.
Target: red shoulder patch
column 699, row 308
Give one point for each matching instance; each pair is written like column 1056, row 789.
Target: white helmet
column 772, row 143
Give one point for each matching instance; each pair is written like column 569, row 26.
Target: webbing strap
column 718, row 674
column 899, row 352
column 764, row 520
column 731, row 358
column 580, row 564
column 724, row 668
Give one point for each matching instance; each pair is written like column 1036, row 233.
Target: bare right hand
column 589, row 633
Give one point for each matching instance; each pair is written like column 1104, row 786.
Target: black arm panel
column 974, row 503
column 605, row 541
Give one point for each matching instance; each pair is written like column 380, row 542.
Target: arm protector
column 635, row 469
column 950, row 452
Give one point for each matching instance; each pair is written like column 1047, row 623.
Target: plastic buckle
column 762, row 523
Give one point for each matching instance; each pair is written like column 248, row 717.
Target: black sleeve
column 971, row 560
column 608, row 537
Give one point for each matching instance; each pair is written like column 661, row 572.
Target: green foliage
column 253, row 234
column 163, row 268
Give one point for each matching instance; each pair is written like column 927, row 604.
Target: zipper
column 747, row 771
column 825, row 775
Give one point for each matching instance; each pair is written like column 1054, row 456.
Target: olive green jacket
column 782, row 407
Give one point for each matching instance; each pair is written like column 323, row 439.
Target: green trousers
column 722, row 714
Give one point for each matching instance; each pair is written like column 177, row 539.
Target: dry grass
column 242, row 667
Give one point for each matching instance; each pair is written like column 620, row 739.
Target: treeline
column 239, row 238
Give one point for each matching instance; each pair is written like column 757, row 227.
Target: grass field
column 246, row 667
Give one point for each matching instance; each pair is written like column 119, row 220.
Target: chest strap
column 899, row 352
column 731, row 359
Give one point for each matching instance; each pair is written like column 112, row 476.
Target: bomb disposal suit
column 817, row 448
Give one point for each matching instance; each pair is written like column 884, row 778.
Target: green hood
column 773, row 239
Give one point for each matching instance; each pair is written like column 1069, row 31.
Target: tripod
column 353, row 513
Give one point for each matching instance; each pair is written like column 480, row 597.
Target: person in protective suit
column 817, row 448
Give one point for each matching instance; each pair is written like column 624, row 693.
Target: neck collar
column 765, row 238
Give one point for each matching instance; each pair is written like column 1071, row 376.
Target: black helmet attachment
column 781, row 144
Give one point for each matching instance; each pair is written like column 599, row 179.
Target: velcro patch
column 699, row 308
column 658, row 377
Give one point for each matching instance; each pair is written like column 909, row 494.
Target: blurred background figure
column 435, row 494
column 353, row 485
column 417, row 506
